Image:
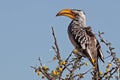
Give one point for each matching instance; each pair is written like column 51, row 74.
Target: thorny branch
column 56, row 48
column 74, row 62
column 115, row 60
column 108, row 44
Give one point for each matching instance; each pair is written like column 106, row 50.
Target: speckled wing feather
column 84, row 40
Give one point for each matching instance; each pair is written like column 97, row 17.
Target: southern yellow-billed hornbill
column 82, row 36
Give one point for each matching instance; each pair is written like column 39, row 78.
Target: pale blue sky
column 25, row 31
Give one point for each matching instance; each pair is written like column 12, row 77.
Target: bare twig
column 82, row 74
column 40, row 61
column 69, row 57
column 108, row 44
column 56, row 48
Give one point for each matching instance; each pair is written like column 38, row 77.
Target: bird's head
column 72, row 13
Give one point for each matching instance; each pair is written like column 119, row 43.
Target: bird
column 82, row 37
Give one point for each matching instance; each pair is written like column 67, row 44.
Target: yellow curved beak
column 66, row 12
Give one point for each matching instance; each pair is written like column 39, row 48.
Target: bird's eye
column 79, row 10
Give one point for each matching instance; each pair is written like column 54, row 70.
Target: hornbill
column 82, row 37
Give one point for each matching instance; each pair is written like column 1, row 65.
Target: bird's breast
column 75, row 33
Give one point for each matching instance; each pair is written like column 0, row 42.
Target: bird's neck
column 78, row 23
column 82, row 21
